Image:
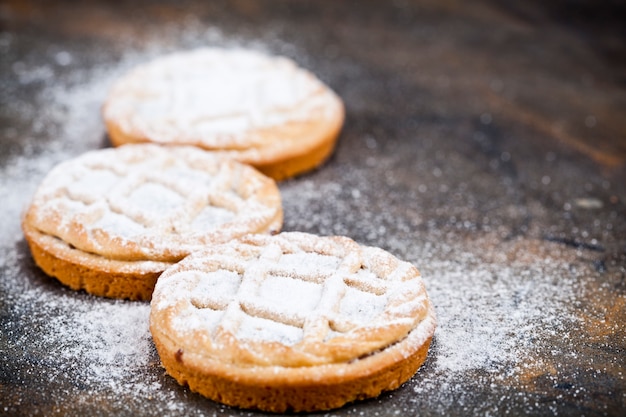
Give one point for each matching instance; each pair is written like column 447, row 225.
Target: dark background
column 484, row 141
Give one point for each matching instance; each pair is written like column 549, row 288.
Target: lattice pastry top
column 147, row 202
column 290, row 300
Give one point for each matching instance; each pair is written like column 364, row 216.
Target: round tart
column 291, row 322
column 262, row 110
column 111, row 220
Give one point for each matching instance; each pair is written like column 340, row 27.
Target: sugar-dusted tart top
column 147, row 202
column 260, row 109
column 290, row 300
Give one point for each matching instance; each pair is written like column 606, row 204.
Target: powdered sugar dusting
column 209, row 92
column 84, row 347
column 501, row 307
column 362, row 307
column 302, row 296
column 161, row 211
column 509, row 306
column 124, row 340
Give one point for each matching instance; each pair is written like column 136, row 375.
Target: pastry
column 291, row 322
column 110, row 221
column 259, row 109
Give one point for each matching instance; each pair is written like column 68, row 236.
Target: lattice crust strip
column 140, row 202
column 290, row 300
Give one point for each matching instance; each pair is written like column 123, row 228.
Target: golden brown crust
column 290, row 131
column 222, row 325
column 285, row 158
column 294, row 390
column 92, row 273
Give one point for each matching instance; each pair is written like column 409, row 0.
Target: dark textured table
column 485, row 143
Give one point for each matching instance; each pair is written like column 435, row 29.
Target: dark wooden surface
column 480, row 136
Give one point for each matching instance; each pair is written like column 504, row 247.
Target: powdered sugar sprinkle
column 495, row 317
